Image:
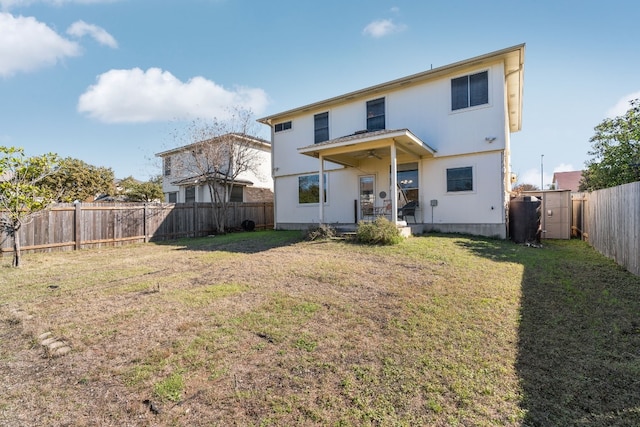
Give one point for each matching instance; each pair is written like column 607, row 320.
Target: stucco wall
column 459, row 138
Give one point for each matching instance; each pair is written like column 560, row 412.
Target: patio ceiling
column 351, row 149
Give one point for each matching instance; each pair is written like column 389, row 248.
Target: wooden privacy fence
column 86, row 225
column 611, row 219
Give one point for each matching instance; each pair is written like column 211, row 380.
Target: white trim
column 472, row 107
column 474, row 180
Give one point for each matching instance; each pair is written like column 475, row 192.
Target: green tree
column 615, row 151
column 22, row 195
column 136, row 191
column 518, row 189
column 77, row 180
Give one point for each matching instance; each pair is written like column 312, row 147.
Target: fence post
column 77, row 226
column 195, row 219
column 144, row 223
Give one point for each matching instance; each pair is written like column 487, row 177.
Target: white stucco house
column 439, row 138
column 188, row 169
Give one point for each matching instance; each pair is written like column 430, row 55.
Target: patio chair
column 408, row 210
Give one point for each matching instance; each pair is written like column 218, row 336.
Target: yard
column 266, row 329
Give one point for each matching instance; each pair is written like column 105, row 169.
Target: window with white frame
column 470, row 91
column 321, row 127
column 375, row 114
column 172, row 197
column 282, row 126
column 309, row 189
column 460, row 179
column 167, row 165
column 190, row 194
column 236, row 194
column 408, row 180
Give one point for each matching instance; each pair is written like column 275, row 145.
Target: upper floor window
column 469, row 91
column 460, row 179
column 282, row 126
column 167, row 166
column 321, row 127
column 375, row 114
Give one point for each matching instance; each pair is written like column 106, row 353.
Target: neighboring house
column 440, row 138
column 567, row 181
column 185, row 182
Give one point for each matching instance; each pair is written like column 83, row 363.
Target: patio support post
column 394, row 183
column 321, row 188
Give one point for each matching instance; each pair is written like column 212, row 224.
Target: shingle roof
column 213, row 176
column 356, row 136
column 567, row 180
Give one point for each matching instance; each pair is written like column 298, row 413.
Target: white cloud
column 564, row 167
column 81, row 28
column 26, row 45
column 137, row 96
column 622, row 106
column 382, row 27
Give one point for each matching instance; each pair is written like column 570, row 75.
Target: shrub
column 379, row 232
column 320, row 232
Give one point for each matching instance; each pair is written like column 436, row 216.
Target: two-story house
column 439, row 138
column 240, row 162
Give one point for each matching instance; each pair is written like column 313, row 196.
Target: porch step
column 405, row 231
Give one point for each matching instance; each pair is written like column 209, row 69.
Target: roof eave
column 422, row 76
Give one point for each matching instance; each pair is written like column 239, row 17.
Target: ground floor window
column 172, row 197
column 460, row 179
column 236, row 194
column 190, row 194
column 309, row 189
column 408, row 181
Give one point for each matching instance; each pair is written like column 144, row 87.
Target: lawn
column 261, row 329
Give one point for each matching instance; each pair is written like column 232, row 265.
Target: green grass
column 170, row 388
column 266, row 329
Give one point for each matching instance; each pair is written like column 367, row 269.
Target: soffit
column 350, row 150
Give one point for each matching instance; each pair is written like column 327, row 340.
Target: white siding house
column 440, row 138
column 185, row 180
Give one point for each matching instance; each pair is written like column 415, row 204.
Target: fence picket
column 612, row 223
column 87, row 225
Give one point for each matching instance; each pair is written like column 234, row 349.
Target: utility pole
column 542, row 172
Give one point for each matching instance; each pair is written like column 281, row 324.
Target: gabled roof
column 258, row 142
column 567, row 180
column 513, row 58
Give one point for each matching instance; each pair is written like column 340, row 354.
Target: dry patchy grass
column 265, row 329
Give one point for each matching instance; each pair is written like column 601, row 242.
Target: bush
column 379, row 232
column 320, row 232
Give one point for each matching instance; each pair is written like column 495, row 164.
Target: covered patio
column 351, row 150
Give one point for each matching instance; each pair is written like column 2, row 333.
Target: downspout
column 505, row 197
column 273, row 178
column 321, row 188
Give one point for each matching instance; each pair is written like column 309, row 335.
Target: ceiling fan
column 370, row 154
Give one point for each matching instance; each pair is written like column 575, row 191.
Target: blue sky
column 108, row 81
